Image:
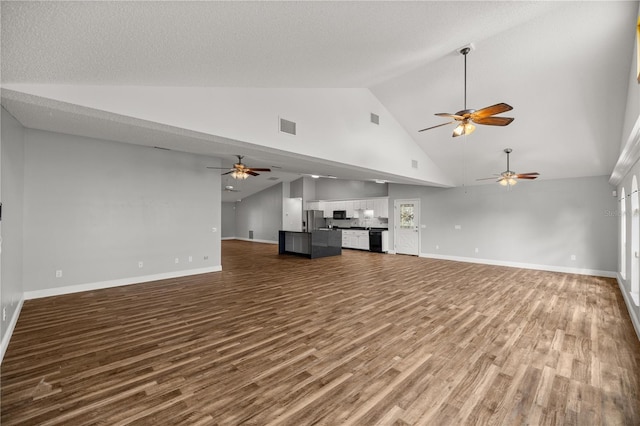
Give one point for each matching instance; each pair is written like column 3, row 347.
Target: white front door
column 406, row 226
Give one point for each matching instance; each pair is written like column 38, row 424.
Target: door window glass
column 406, row 216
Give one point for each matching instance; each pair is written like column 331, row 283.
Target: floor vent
column 287, row 126
column 251, row 235
column 414, row 164
column 375, row 118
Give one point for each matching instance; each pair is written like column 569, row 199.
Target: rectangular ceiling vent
column 273, row 178
column 375, row 118
column 414, row 164
column 287, row 126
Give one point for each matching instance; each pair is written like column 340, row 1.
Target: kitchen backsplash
column 376, row 222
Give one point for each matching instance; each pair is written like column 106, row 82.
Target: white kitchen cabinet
column 313, row 205
column 355, row 239
column 327, row 207
column 369, row 204
column 349, row 209
column 346, row 239
column 362, row 240
column 381, row 207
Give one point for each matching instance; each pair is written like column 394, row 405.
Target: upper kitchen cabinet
column 381, row 207
column 328, row 207
column 351, row 212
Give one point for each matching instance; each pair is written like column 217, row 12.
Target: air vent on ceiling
column 273, row 178
column 375, row 118
column 414, row 164
column 287, row 126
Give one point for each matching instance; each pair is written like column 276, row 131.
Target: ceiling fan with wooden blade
column 510, row 178
column 467, row 117
column 240, row 170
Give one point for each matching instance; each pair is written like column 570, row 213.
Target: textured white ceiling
column 240, row 44
column 563, row 66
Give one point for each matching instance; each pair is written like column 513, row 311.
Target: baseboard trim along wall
column 564, row 269
column 228, row 238
column 36, row 294
column 630, row 306
column 10, row 328
column 257, row 241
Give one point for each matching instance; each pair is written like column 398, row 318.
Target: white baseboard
column 12, row 325
column 550, row 268
column 227, row 238
column 36, row 294
column 257, row 241
column 631, row 307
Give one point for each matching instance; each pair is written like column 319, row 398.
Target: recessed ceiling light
column 380, row 181
column 315, row 176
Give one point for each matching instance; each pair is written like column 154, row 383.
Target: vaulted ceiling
column 563, row 66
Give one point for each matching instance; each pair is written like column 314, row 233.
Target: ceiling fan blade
column 230, row 171
column 433, row 127
column 445, row 114
column 252, row 173
column 526, row 177
column 487, row 178
column 258, row 170
column 529, row 174
column 218, row 168
column 491, row 110
column 493, row 121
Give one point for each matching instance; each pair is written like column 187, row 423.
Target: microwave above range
column 339, row 214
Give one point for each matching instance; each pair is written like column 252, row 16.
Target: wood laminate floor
column 360, row 339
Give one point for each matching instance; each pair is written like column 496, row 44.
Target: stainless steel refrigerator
column 313, row 220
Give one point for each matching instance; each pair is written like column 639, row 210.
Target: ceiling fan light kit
column 239, row 174
column 484, row 116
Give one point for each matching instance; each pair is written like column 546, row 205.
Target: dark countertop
column 360, row 228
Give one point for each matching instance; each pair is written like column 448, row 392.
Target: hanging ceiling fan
column 510, row 178
column 240, row 170
column 466, row 117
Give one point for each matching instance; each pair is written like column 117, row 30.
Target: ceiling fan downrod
column 508, row 151
column 464, row 52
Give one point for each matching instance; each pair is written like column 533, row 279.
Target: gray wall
column 12, row 189
column 338, row 189
column 260, row 213
column 228, row 220
column 308, row 189
column 94, row 209
column 296, row 188
column 538, row 223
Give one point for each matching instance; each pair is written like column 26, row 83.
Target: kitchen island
column 312, row 244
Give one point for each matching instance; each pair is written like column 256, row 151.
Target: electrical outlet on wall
column 140, row 264
column 59, row 273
